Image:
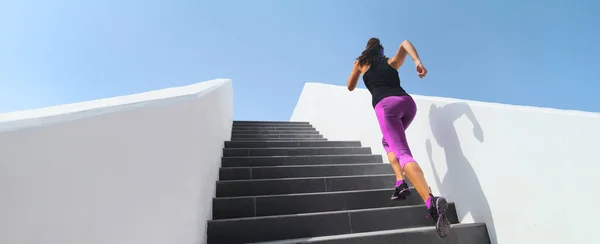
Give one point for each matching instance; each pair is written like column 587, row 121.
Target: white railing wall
column 529, row 173
column 132, row 169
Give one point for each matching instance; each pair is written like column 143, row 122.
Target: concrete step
column 461, row 234
column 253, row 122
column 263, row 129
column 270, row 228
column 255, row 161
column 291, row 151
column 279, row 139
column 265, row 144
column 276, row 136
column 276, row 132
column 297, row 171
column 273, row 126
column 238, row 207
column 240, row 188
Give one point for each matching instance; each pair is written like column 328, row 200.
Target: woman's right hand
column 421, row 70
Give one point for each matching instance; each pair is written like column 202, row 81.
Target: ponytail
column 373, row 51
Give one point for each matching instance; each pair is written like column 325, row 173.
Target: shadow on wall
column 460, row 181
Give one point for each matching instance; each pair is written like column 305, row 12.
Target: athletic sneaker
column 401, row 192
column 437, row 212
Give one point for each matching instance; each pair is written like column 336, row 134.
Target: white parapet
column 530, row 173
column 132, row 169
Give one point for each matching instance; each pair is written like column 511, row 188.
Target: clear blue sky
column 535, row 52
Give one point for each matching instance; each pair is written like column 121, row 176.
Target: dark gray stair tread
column 263, row 144
column 254, row 161
column 278, row 139
column 268, row 122
column 294, row 151
column 276, row 132
column 238, row 207
column 277, row 136
column 236, row 122
column 240, row 188
column 270, row 228
column 279, row 126
column 272, row 128
column 461, row 234
column 279, row 131
column 297, row 171
column 289, row 132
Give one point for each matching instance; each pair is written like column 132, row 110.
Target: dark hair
column 373, row 51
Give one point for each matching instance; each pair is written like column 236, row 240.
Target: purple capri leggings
column 395, row 113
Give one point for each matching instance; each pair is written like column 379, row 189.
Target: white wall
column 529, row 173
column 123, row 170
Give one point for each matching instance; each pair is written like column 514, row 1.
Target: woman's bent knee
column 392, row 157
column 405, row 158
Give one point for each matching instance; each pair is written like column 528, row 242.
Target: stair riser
column 306, row 185
column 228, row 152
column 267, row 126
column 225, row 208
column 260, row 136
column 276, row 133
column 302, row 171
column 270, row 129
column 302, row 226
column 301, row 160
column 240, row 122
column 278, row 139
column 230, row 144
column 460, row 234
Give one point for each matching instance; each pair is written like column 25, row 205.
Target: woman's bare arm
column 354, row 75
column 407, row 48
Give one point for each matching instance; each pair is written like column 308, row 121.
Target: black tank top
column 382, row 81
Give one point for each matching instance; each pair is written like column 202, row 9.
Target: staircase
column 282, row 182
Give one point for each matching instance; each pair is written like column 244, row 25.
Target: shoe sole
column 402, row 195
column 443, row 224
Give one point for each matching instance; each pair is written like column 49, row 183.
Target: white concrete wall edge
column 50, row 115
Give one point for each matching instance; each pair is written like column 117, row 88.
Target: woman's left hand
column 421, row 70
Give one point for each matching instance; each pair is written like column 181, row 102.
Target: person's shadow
column 460, row 183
